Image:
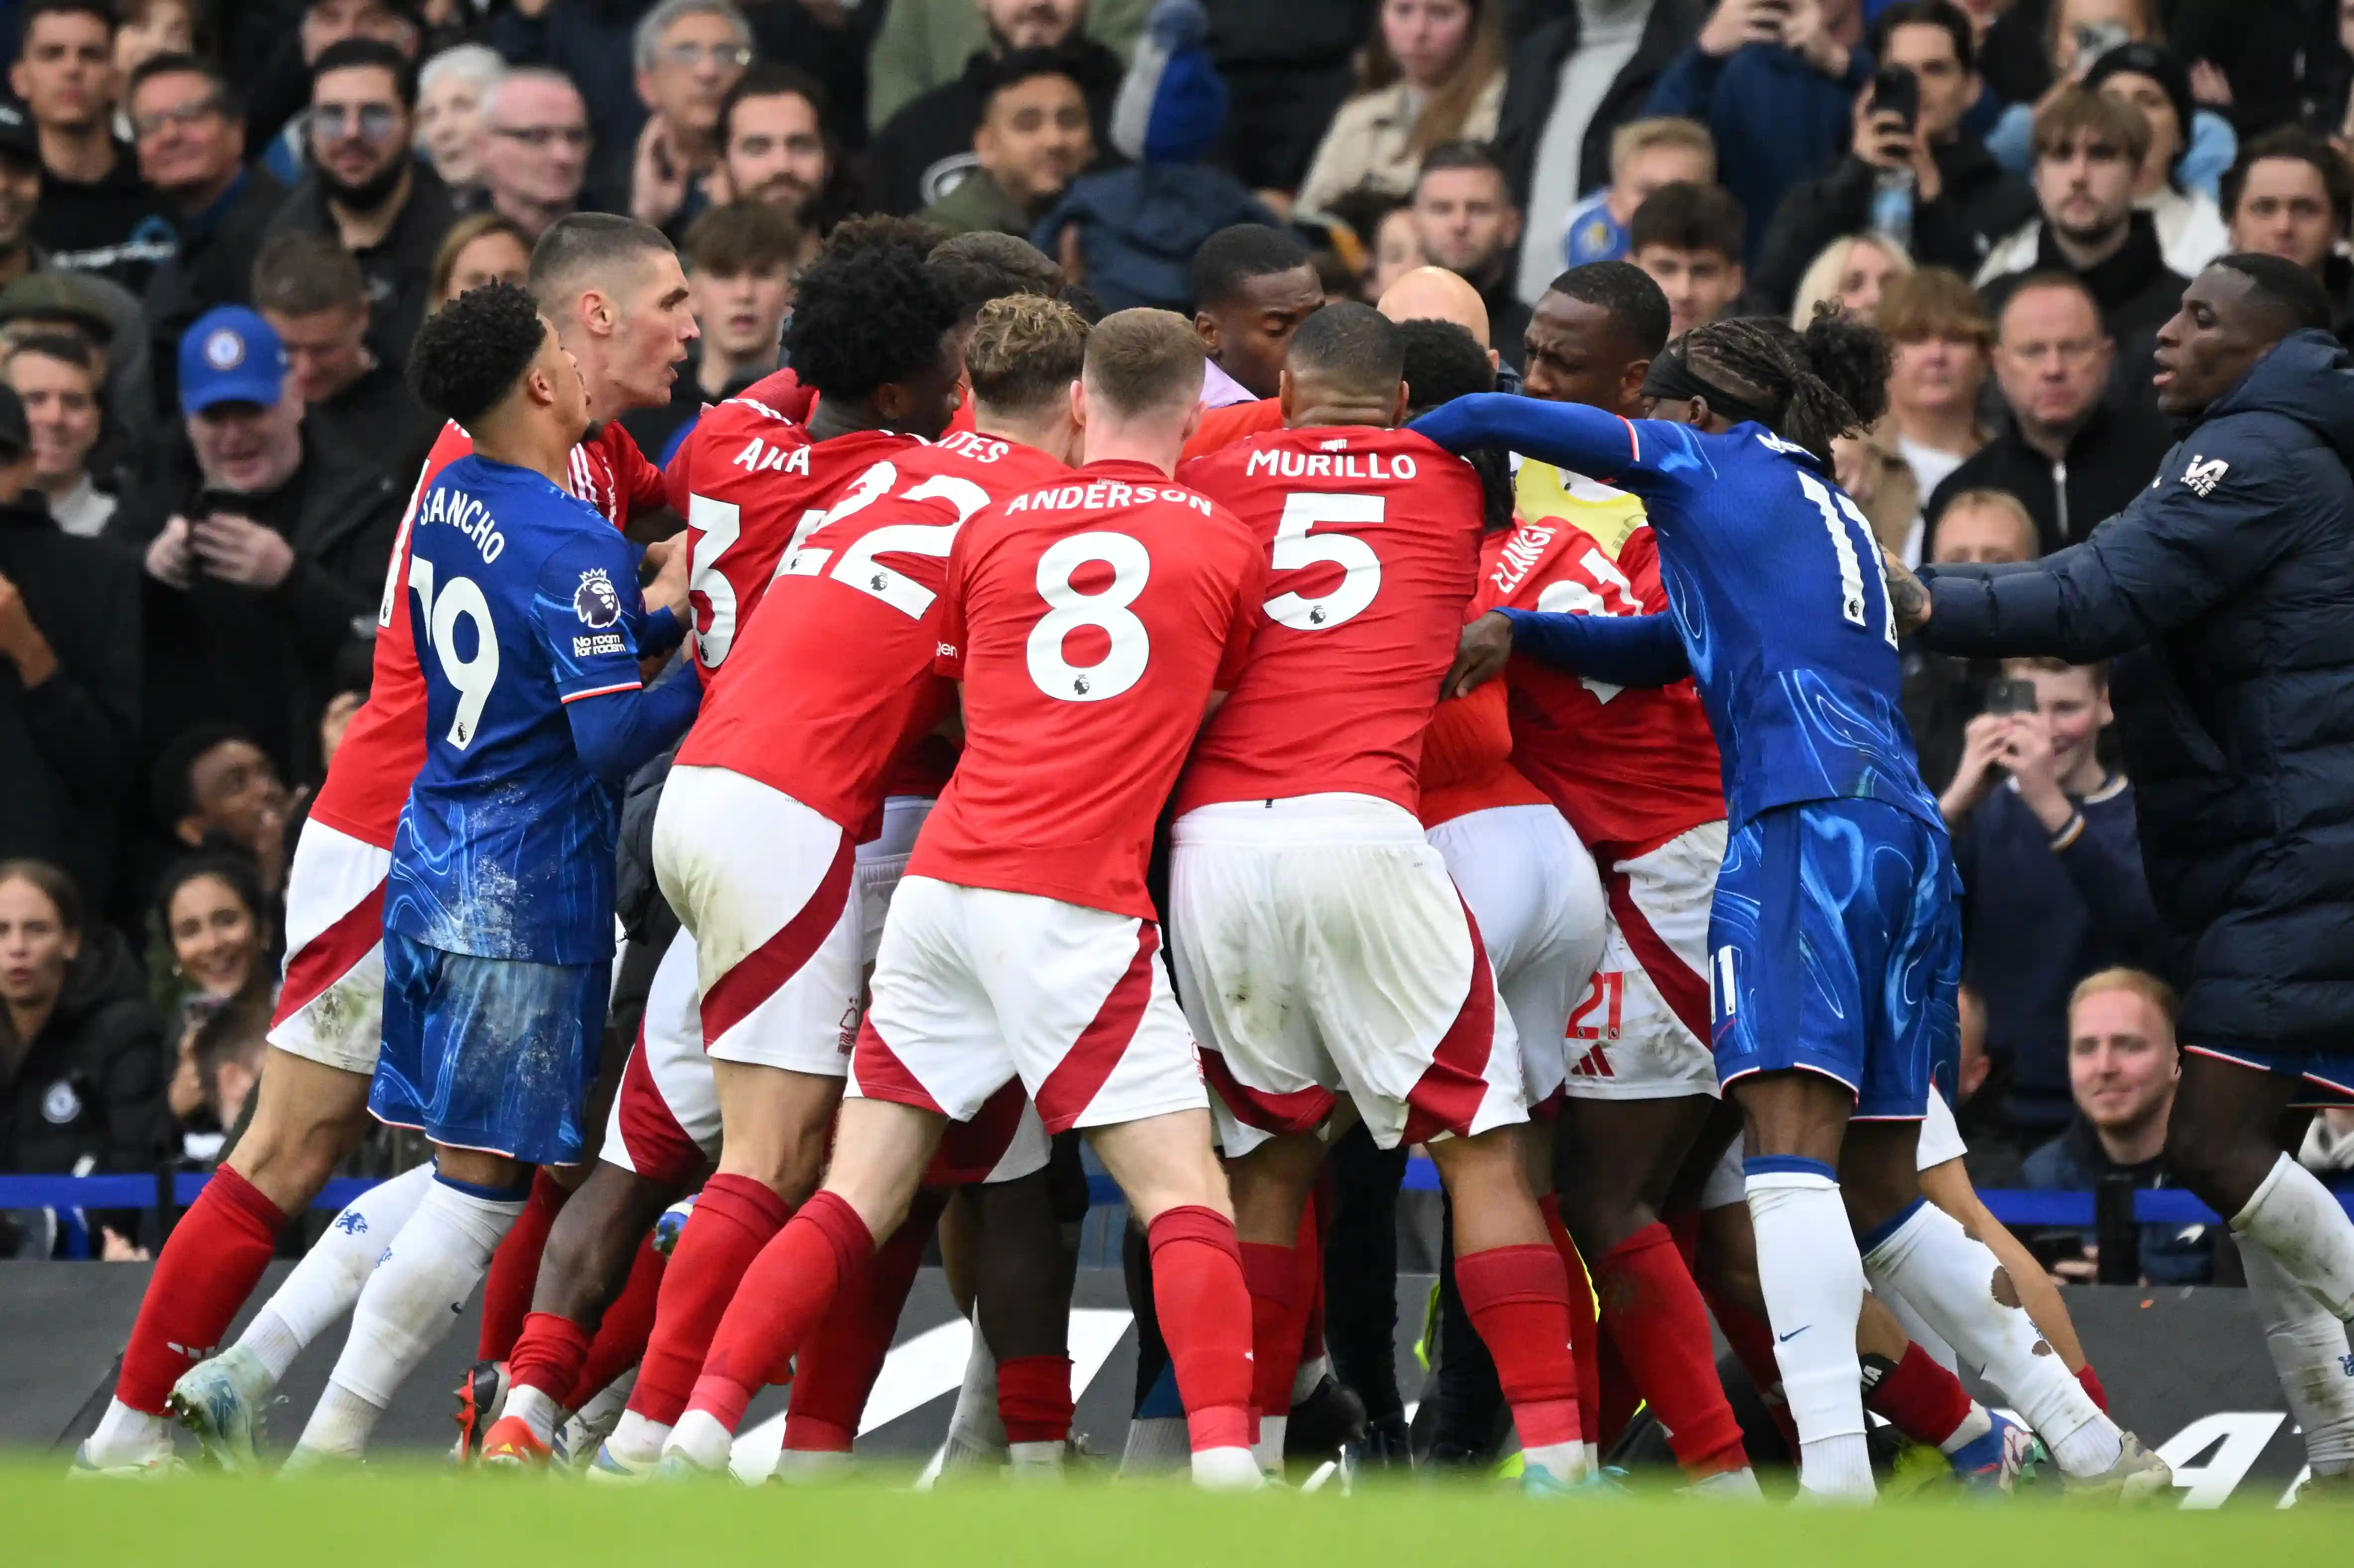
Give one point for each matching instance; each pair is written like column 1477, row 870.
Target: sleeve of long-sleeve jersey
column 589, row 615
column 1601, row 446
column 1635, row 651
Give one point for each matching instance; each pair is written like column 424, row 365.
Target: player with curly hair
column 1834, row 936
column 498, row 926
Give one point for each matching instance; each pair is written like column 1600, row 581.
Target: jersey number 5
column 1295, row 548
column 438, row 614
column 1838, row 512
column 1107, row 612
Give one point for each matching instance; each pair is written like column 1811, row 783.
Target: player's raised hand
column 669, row 558
column 1480, row 655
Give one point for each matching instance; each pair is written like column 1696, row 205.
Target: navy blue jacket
column 2074, row 1163
column 2225, row 592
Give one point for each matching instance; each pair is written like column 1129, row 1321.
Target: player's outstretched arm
column 1624, row 650
column 1586, row 441
column 590, row 620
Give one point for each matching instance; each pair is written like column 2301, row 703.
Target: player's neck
column 543, row 446
column 1332, row 413
column 1154, row 449
column 1047, row 433
column 840, row 417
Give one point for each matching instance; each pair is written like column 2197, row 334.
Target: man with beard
column 776, row 146
column 919, row 155
column 365, row 191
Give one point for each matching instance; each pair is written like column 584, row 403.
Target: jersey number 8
column 1068, row 610
column 438, row 616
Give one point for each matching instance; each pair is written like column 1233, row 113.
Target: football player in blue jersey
column 499, row 904
column 1835, row 944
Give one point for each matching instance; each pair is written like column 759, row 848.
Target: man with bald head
column 1436, row 294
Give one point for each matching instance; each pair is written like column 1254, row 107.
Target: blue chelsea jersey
column 1777, row 588
column 522, row 599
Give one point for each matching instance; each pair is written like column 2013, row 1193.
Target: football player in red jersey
column 1092, row 622
column 1320, row 945
column 616, row 293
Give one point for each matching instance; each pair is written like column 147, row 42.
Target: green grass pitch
column 419, row 1517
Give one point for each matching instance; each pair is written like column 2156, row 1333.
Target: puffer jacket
column 2225, row 591
column 91, row 1084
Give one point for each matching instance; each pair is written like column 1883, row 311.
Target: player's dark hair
column 1353, row 344
column 356, row 54
column 2294, row 295
column 1686, row 217
column 1636, row 304
column 170, row 789
column 984, row 265
column 871, row 310
column 470, row 354
column 1810, row 388
column 1235, row 255
column 589, row 244
column 1441, row 362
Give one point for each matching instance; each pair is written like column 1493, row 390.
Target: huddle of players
column 1097, row 637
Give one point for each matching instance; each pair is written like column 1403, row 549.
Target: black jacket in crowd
column 931, row 139
column 2134, row 289
column 91, row 1084
column 268, row 660
column 1980, row 202
column 2223, row 591
column 214, row 267
column 110, row 229
column 400, row 271
column 2107, row 461
column 1533, row 82
column 69, row 747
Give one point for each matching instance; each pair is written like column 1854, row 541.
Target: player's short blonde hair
column 1144, row 361
column 1660, row 131
column 1025, row 353
column 2141, row 982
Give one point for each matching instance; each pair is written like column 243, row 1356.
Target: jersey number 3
column 437, row 615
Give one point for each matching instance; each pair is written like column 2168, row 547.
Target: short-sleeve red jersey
column 748, row 481
column 367, row 783
column 830, row 688
column 1374, row 548
column 1631, row 769
column 1089, row 620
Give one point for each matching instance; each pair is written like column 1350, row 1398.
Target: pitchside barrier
column 2185, row 1366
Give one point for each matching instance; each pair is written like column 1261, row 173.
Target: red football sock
column 1034, row 1398
column 1204, row 1311
column 1518, row 1297
column 548, row 1355
column 2091, row 1381
column 1585, row 1325
column 1270, row 1273
column 619, row 1342
column 1617, row 1401
column 1752, row 1340
column 211, row 1263
column 1660, row 1327
column 733, row 1220
column 514, row 1272
column 824, row 1252
column 1919, row 1398
column 838, row 1370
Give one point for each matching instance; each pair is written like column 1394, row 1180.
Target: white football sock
column 125, row 1435
column 701, row 1441
column 2294, row 1218
column 637, row 1440
column 976, row 1431
column 406, row 1308
column 1156, row 1446
column 1226, row 1470
column 1916, row 1329
column 2308, row 1350
column 1268, row 1450
column 327, row 1282
column 536, row 1408
column 1035, row 1461
column 1813, row 1284
column 809, row 1466
column 1925, row 1259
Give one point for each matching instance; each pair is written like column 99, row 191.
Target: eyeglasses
column 689, row 55
column 542, row 136
column 377, row 122
column 185, row 114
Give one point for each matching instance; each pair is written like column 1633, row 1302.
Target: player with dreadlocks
column 1827, row 1042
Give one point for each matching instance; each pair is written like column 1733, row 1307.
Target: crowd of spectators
column 220, row 226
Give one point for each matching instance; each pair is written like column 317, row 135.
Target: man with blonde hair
column 1644, row 155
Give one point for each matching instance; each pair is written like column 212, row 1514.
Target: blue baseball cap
column 230, row 356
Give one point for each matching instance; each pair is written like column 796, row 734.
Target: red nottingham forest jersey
column 1090, row 621
column 367, row 783
column 828, row 691
column 1372, row 538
